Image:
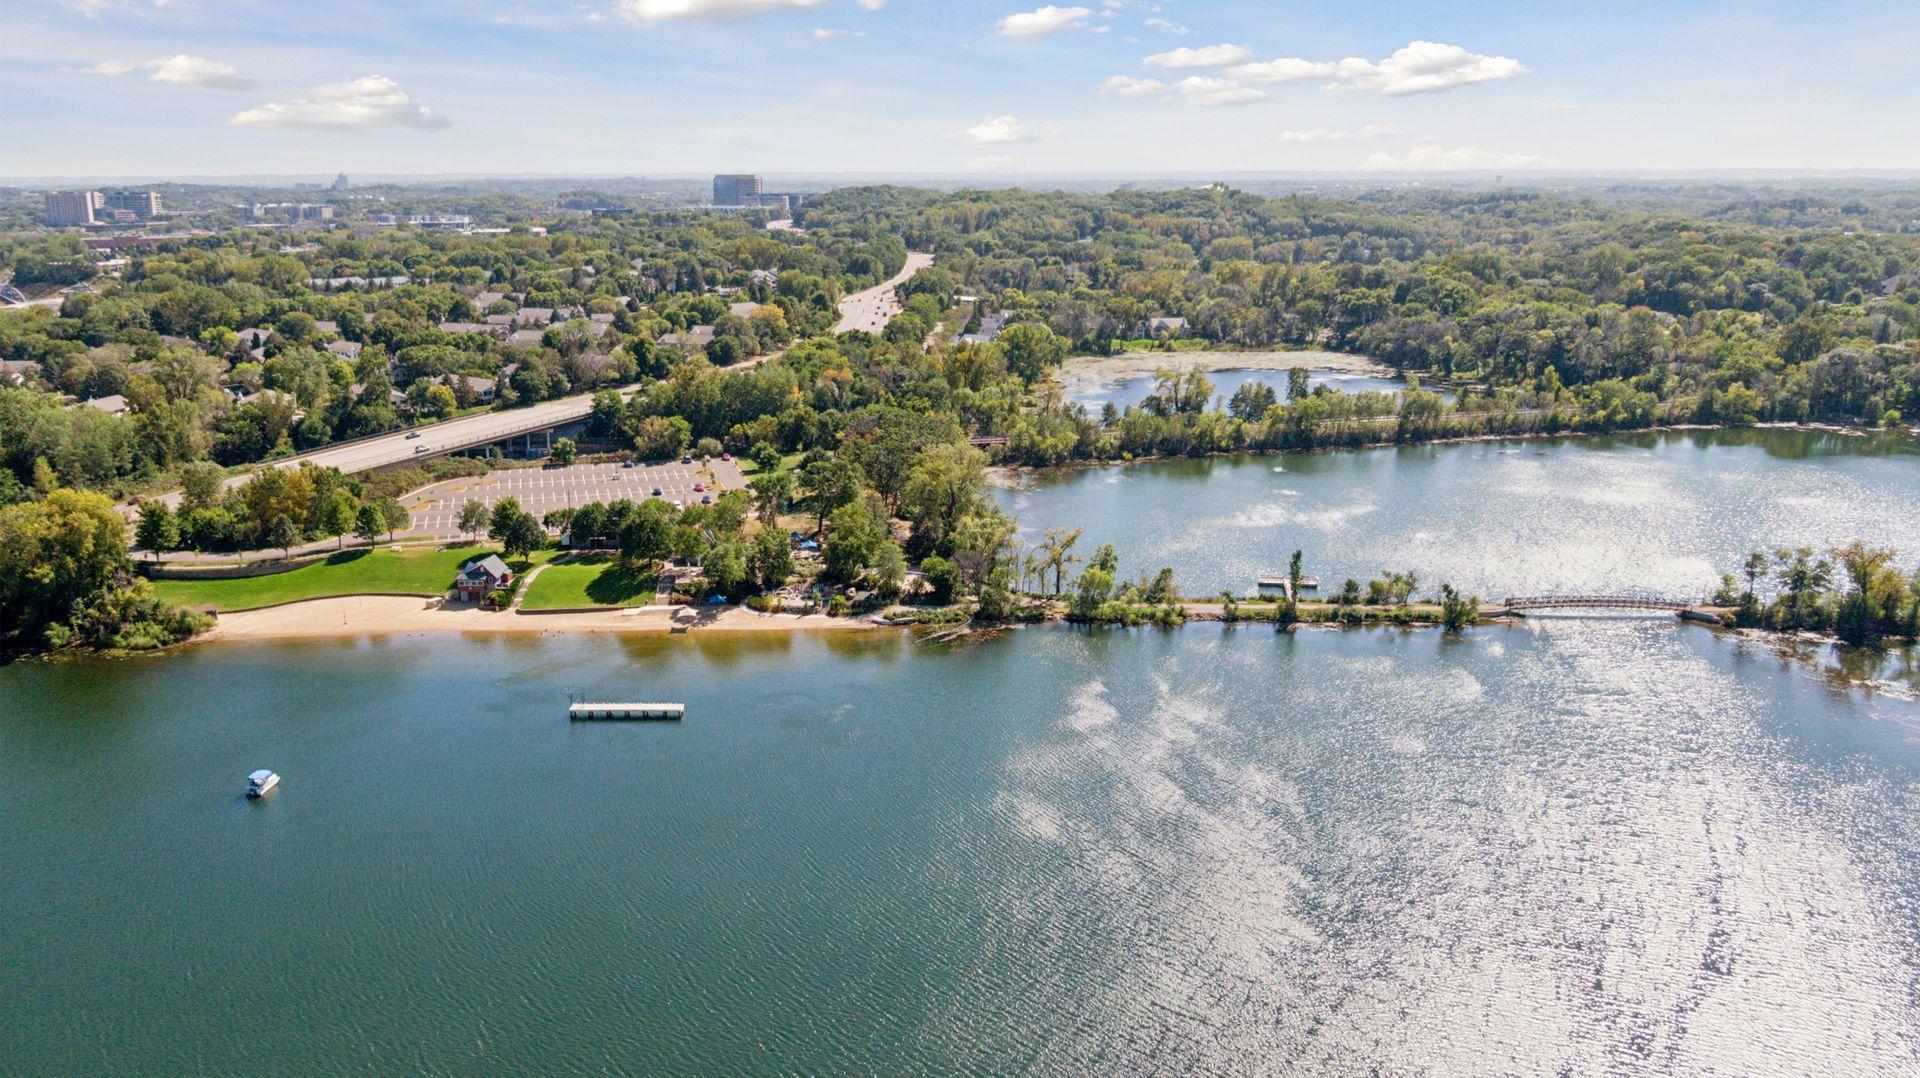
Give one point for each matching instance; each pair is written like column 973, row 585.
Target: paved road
column 436, row 509
column 873, row 309
column 440, row 439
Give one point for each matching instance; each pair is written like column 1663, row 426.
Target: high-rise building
column 737, row 189
column 67, row 209
column 340, row 182
column 144, row 205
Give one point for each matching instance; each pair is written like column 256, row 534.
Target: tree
column 942, row 578
column 281, row 533
column 647, row 536
column 473, row 517
column 853, row 542
column 725, row 567
column 158, row 532
column 69, row 547
column 369, row 522
column 771, row 560
column 771, row 492
column 393, row 515
column 1054, row 553
column 337, row 515
column 523, row 535
column 942, row 486
column 828, row 484
column 563, row 451
column 1032, row 349
column 1090, row 591
column 500, row 521
column 1457, row 611
column 1294, row 577
column 1297, row 378
column 200, row 484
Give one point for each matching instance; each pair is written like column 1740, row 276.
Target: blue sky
column 210, row 87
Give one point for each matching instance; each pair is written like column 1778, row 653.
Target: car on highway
column 413, row 434
column 421, row 448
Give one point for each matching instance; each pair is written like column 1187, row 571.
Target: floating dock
column 657, row 712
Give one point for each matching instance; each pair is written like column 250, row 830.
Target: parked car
column 726, row 456
column 698, row 487
column 657, row 492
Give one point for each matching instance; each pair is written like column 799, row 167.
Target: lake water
column 1609, row 846
column 1125, row 393
column 1588, row 846
column 1660, row 513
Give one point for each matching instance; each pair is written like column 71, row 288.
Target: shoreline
column 1081, row 373
column 351, row 616
column 1010, row 476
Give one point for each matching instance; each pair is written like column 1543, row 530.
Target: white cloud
column 1189, row 59
column 199, row 73
column 1128, row 86
column 1212, row 93
column 1169, row 26
column 998, row 130
column 360, row 105
column 1294, row 70
column 1429, row 156
column 109, row 68
column 1322, row 134
column 821, row 33
column 652, row 11
column 1042, row 21
column 1420, row 67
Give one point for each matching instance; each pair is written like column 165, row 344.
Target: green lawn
column 589, row 580
column 749, row 468
column 422, row 570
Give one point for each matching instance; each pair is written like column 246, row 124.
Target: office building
column 293, row 211
column 340, row 182
column 69, row 209
column 736, row 190
column 144, row 205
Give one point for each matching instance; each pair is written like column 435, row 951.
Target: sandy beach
column 1082, row 373
column 376, row 615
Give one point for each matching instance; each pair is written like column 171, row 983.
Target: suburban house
column 17, row 371
column 990, row 327
column 343, row 349
column 483, row 389
column 478, row 579
column 1166, row 327
column 697, row 337
column 114, row 404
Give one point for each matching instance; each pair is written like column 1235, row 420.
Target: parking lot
column 436, row 510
